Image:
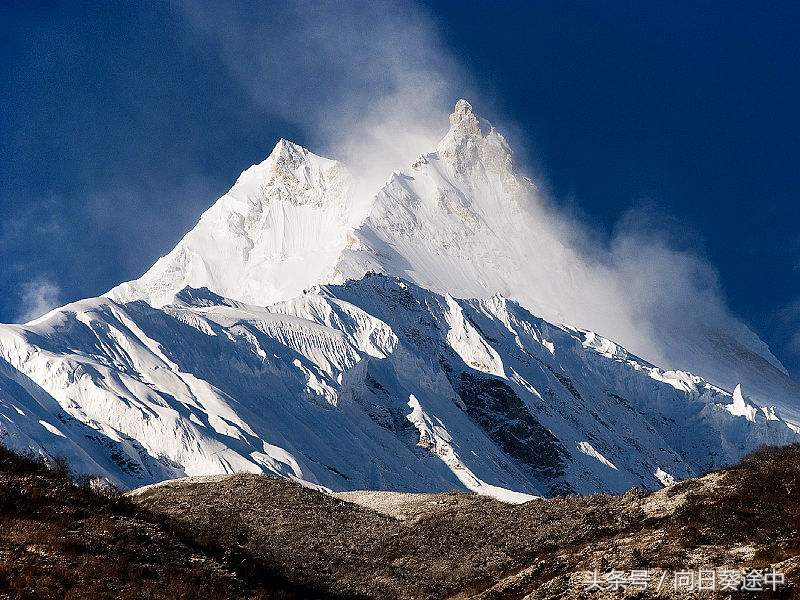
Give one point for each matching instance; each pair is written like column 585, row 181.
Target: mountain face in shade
column 460, row 220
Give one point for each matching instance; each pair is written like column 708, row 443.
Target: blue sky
column 121, row 122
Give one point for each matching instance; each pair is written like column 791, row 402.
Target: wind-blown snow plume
column 38, row 297
column 370, row 83
column 667, row 286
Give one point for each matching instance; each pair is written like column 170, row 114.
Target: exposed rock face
column 497, row 409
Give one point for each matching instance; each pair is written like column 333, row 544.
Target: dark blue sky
column 120, row 123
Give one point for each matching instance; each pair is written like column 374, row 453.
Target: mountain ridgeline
column 412, row 340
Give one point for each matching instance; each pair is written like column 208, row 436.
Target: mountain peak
column 290, row 170
column 470, row 140
column 280, row 227
column 287, row 149
column 290, row 157
column 464, row 120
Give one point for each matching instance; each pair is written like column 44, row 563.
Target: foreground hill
column 250, row 536
column 465, row 546
column 60, row 540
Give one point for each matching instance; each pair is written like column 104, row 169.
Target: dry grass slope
column 59, row 539
column 249, row 536
column 463, row 546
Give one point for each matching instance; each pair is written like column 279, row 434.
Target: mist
column 371, row 84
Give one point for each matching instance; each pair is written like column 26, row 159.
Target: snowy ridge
column 374, row 384
column 279, row 228
column 463, row 220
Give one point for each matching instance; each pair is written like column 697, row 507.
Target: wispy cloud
column 20, row 235
column 788, row 324
column 794, row 343
column 38, row 296
column 371, row 83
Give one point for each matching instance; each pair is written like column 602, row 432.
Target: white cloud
column 371, row 84
column 38, row 296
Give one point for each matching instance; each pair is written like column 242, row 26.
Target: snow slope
column 281, row 227
column 463, row 220
column 375, row 384
column 460, row 220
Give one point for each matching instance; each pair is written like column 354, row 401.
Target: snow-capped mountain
column 460, row 220
column 281, row 228
column 306, row 329
column 375, row 384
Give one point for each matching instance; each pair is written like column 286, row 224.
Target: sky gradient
column 122, row 122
